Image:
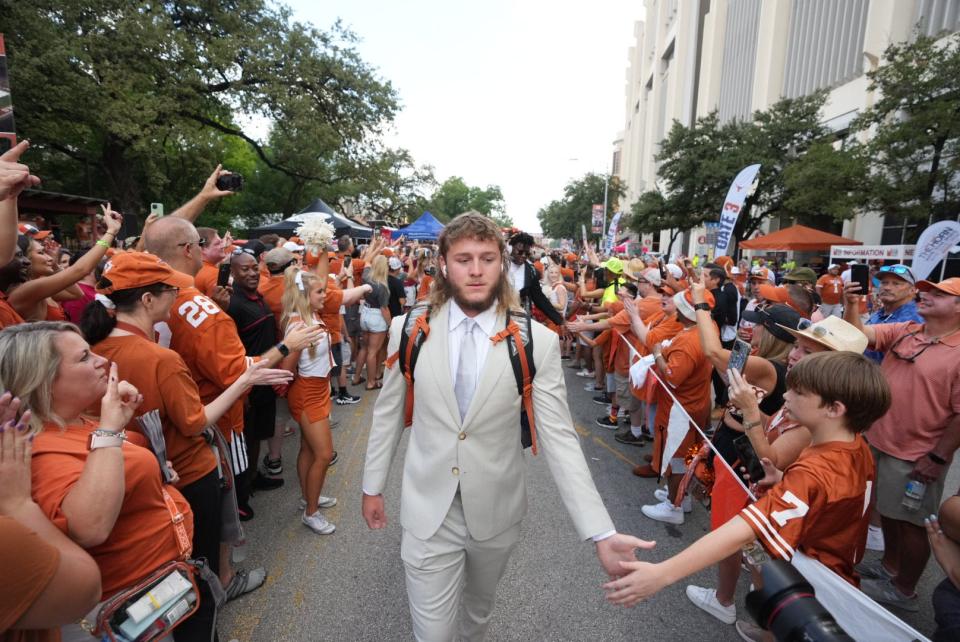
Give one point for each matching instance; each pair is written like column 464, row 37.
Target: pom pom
column 315, row 231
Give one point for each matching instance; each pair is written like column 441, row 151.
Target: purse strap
column 179, row 527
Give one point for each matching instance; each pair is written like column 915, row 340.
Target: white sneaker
column 318, row 523
column 664, row 512
column 585, row 373
column 706, row 599
column 322, row 502
column 875, row 538
column 662, row 495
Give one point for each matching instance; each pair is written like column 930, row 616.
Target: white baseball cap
column 394, row 263
column 290, row 246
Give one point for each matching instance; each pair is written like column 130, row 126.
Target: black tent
column 341, row 224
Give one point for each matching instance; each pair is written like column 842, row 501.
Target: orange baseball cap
column 33, row 231
column 387, row 252
column 129, row 270
column 773, row 293
column 948, row 286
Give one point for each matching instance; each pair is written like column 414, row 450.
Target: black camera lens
column 786, row 606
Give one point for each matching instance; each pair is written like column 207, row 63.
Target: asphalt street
column 350, row 585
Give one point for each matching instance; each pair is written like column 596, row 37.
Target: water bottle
column 913, row 495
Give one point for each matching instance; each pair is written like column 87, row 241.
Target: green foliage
column 563, row 218
column 138, row 101
column 455, row 197
column 915, row 124
column 825, row 181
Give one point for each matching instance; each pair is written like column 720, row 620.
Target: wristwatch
column 107, row 439
column 747, row 425
column 937, row 459
column 282, row 349
column 702, row 306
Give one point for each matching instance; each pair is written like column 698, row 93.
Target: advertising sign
column 597, row 219
column 740, row 189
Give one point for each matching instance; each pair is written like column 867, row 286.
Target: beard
column 473, row 306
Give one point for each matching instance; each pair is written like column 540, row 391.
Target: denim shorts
column 371, row 320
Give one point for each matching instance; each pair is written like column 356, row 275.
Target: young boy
column 820, row 505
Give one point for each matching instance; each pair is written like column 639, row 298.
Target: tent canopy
column 798, row 238
column 341, row 224
column 425, row 228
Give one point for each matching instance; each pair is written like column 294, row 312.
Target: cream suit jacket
column 482, row 454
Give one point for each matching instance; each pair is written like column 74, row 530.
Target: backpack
column 518, row 333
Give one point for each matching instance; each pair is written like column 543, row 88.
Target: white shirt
column 518, row 275
column 486, row 322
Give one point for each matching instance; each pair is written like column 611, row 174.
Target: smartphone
column 223, row 275
column 156, row 208
column 346, row 261
column 663, row 270
column 230, row 182
column 738, row 356
column 748, row 458
column 860, row 273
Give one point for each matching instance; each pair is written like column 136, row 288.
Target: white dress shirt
column 518, row 275
column 486, row 322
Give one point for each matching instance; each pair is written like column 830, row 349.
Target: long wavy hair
column 296, row 302
column 474, row 225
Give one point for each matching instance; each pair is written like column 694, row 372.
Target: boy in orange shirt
column 820, row 505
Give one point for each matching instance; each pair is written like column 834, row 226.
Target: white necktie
column 466, row 382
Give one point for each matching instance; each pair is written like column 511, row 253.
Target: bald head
column 176, row 241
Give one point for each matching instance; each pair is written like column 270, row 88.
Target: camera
column 230, row 182
column 786, row 606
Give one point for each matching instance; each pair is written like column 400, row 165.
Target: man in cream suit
column 464, row 492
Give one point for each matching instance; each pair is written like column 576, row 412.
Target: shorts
column 260, row 414
column 309, row 396
column 892, row 477
column 625, row 397
column 351, row 318
column 371, row 320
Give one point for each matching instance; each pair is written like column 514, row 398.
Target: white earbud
column 443, row 269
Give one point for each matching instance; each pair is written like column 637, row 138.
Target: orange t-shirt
column 206, row 278
column 271, row 287
column 620, row 354
column 143, row 537
column 55, row 312
column 206, row 338
column 649, row 307
column 662, row 327
column 688, row 374
column 830, row 289
column 423, row 290
column 330, row 314
column 29, row 564
column 567, row 274
column 538, row 266
column 163, row 379
column 819, row 507
column 357, row 266
column 8, row 316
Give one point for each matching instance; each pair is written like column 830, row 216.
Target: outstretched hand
column 643, row 580
column 617, row 549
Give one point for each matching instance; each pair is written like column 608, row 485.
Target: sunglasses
column 911, row 358
column 201, row 242
column 899, row 270
column 816, row 330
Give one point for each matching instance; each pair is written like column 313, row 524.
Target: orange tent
column 798, row 238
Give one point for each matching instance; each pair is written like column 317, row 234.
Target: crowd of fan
column 96, row 346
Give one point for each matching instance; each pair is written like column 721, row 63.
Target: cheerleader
column 309, row 393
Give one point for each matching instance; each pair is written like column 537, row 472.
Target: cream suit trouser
column 453, row 574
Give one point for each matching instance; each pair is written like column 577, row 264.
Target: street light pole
column 603, row 228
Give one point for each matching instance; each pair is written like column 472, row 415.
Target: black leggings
column 205, row 501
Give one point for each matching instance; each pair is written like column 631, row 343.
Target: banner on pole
column 597, row 219
column 612, row 232
column 933, row 246
column 740, row 189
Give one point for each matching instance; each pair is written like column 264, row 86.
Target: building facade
column 691, row 57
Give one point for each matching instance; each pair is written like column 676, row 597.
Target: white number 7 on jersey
column 799, row 510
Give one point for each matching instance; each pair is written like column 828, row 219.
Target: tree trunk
column 126, row 195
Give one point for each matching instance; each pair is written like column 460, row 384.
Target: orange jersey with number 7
column 820, row 507
column 206, row 338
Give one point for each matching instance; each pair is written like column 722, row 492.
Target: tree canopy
column 563, row 218
column 138, row 102
column 454, row 197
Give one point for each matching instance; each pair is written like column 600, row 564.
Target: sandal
column 245, row 581
column 375, row 386
column 358, row 382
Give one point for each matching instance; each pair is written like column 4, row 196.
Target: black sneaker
column 334, row 459
column 626, row 437
column 603, row 400
column 245, row 512
column 345, row 399
column 262, row 482
column 606, row 423
column 273, row 467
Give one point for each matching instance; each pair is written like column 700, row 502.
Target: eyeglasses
column 200, row 242
column 899, row 270
column 912, row 357
column 171, row 289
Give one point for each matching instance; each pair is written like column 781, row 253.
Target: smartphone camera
column 230, row 182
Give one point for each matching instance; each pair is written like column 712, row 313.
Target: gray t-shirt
column 380, row 296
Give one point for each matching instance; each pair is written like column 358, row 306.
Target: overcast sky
column 525, row 94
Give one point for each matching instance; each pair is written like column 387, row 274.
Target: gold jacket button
column 455, row 471
column 462, row 436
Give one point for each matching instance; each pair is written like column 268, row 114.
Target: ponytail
column 99, row 318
